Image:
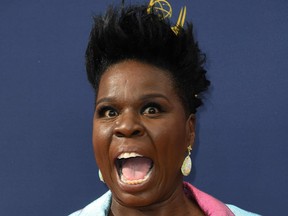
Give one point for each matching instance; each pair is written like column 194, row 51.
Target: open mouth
column 133, row 168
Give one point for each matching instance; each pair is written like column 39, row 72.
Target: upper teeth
column 129, row 155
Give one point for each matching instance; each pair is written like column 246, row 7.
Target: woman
column 148, row 77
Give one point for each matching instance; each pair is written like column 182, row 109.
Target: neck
column 177, row 205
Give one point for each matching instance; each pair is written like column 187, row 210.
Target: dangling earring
column 100, row 176
column 187, row 163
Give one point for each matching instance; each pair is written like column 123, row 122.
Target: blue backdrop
column 46, row 105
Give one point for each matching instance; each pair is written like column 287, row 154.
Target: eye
column 151, row 109
column 110, row 113
column 107, row 112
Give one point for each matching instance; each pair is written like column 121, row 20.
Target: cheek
column 101, row 137
column 170, row 142
column 101, row 132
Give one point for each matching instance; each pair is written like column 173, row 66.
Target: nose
column 128, row 125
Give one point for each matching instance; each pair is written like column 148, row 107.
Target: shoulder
column 212, row 206
column 240, row 212
column 99, row 207
column 209, row 205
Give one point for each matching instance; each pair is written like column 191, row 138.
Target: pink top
column 209, row 205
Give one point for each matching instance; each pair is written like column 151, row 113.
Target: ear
column 190, row 128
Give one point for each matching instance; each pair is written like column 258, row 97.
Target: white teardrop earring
column 187, row 163
column 100, row 176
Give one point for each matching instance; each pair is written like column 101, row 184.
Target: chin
column 132, row 200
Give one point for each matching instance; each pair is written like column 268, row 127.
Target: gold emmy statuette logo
column 164, row 9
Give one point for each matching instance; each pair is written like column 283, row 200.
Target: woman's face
column 140, row 133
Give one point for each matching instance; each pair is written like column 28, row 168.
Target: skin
column 138, row 110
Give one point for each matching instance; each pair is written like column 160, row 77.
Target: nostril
column 128, row 126
column 136, row 133
column 118, row 134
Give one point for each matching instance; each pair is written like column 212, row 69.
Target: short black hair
column 133, row 33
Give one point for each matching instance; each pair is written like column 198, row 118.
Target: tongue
column 135, row 168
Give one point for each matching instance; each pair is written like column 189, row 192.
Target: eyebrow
column 143, row 98
column 106, row 99
column 153, row 95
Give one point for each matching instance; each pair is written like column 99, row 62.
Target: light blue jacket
column 101, row 206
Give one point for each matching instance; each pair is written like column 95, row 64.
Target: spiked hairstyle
column 133, row 33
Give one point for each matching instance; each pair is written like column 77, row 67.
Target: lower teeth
column 134, row 182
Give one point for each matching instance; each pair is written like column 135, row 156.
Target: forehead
column 134, row 76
